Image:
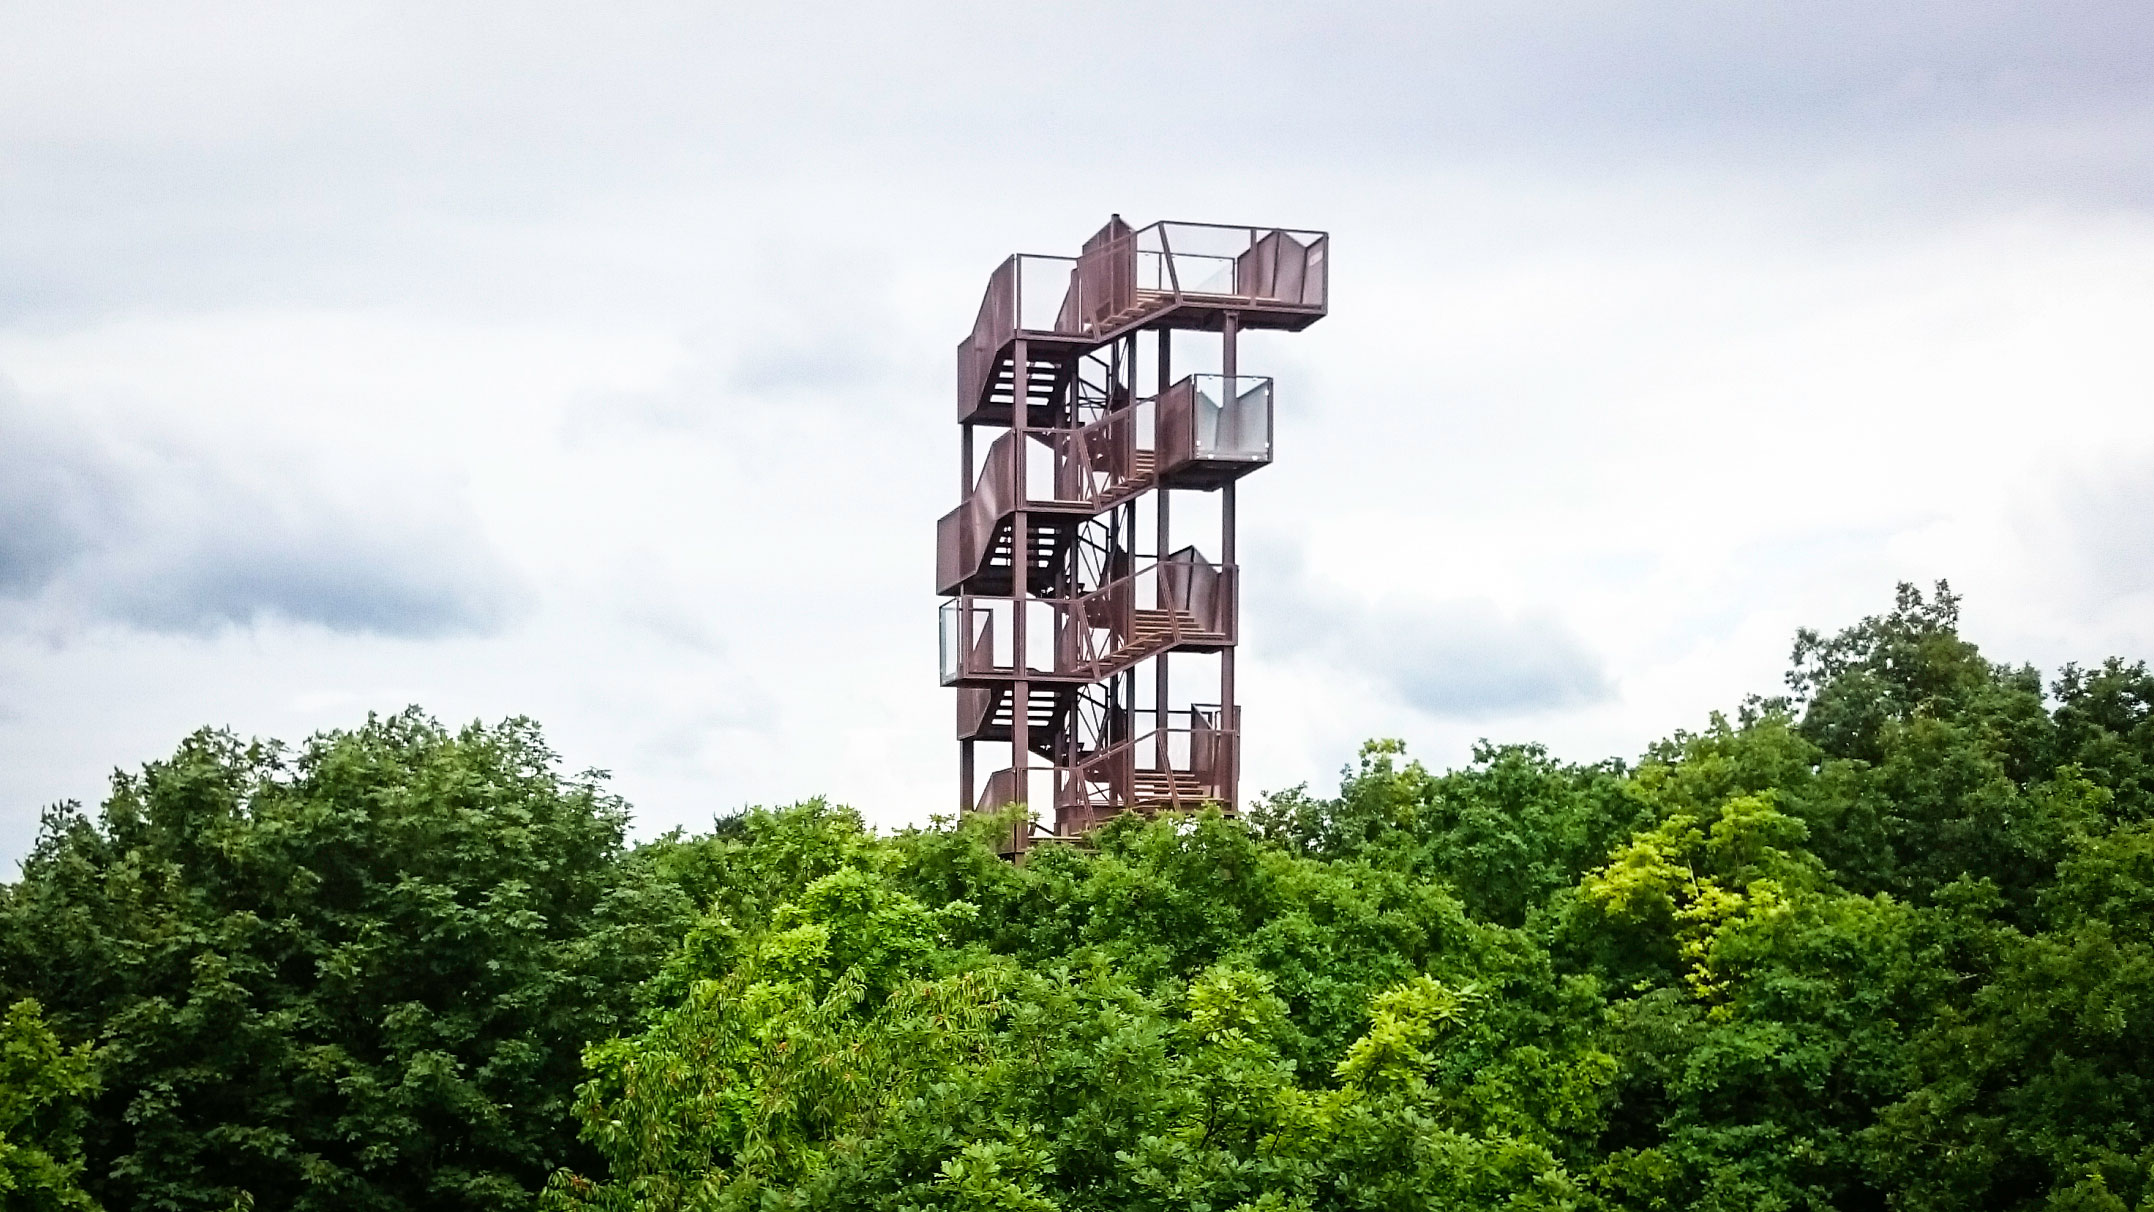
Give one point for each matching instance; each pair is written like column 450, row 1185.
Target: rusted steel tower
column 1086, row 484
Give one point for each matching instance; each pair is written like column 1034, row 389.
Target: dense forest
column 1884, row 941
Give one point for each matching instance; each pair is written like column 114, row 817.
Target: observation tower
column 1105, row 672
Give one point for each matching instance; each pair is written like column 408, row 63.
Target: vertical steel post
column 966, row 798
column 1230, row 760
column 1020, row 575
column 1159, row 555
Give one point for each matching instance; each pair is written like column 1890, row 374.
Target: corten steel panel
column 1053, row 340
column 984, row 712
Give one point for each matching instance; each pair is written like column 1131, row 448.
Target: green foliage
column 1885, row 943
column 1503, row 833
column 353, row 976
column 42, row 1089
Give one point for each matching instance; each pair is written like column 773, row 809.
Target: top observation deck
column 1167, row 275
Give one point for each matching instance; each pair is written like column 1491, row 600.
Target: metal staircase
column 1101, row 454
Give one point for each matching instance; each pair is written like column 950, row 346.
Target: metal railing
column 1182, row 601
column 1203, row 419
column 1028, row 293
column 1188, row 758
column 1103, row 463
column 1176, row 602
column 1224, row 419
column 1125, row 274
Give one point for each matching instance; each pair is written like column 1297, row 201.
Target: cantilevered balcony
column 1213, row 429
column 1190, row 275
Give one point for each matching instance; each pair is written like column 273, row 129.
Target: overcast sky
column 595, row 363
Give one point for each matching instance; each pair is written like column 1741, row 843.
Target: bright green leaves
column 1500, row 835
column 1408, row 1024
column 827, row 1025
column 1704, row 887
column 856, row 1048
column 43, row 1089
column 1231, row 1062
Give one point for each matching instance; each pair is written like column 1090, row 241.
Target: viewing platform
column 1168, row 275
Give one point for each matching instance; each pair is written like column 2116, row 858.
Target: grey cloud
column 169, row 165
column 787, row 367
column 55, row 498
column 1462, row 658
column 322, row 569
column 1465, row 658
column 170, row 539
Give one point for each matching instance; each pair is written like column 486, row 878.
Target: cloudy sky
column 594, row 362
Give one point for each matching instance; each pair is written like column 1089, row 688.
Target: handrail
column 1004, row 313
column 1096, row 635
column 1268, row 267
column 1096, row 463
column 1113, row 769
column 1095, row 468
column 1190, row 604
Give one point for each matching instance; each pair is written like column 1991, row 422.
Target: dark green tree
column 352, row 976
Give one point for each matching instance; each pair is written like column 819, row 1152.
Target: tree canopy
column 354, row 975
column 1885, row 940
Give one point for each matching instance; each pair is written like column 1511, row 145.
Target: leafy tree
column 2037, row 1087
column 1502, row 833
column 1167, row 1035
column 1886, row 942
column 42, row 1089
column 352, row 976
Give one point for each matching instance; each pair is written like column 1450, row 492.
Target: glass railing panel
column 1043, row 285
column 1041, row 617
column 1203, row 275
column 1053, row 467
column 976, row 636
column 1255, row 263
column 1094, row 463
column 953, row 641
column 1233, row 418
column 1154, row 272
column 1202, row 239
